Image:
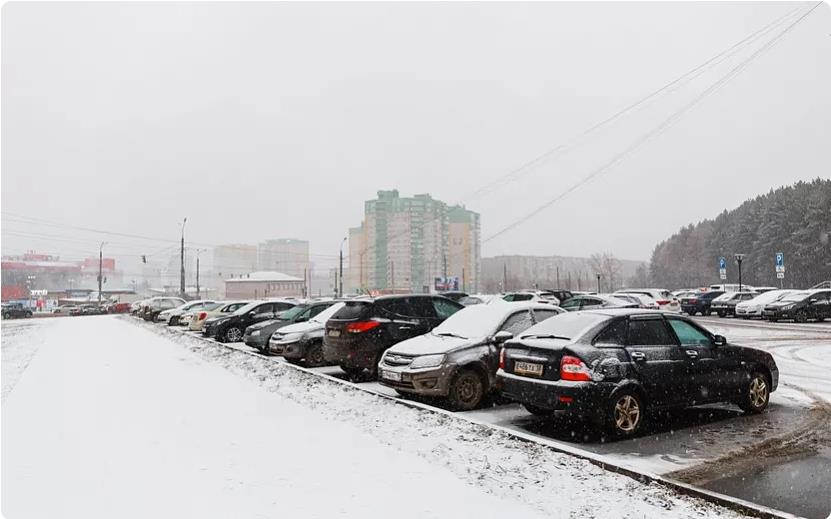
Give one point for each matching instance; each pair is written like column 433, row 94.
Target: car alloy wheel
column 801, row 316
column 758, row 394
column 627, row 414
column 315, row 356
column 233, row 334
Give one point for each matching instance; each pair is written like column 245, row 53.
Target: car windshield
column 474, row 321
column 796, row 296
column 291, row 313
column 325, row 315
column 567, row 326
column 247, row 308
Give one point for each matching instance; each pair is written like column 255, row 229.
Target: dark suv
column 12, row 310
column 613, row 366
column 699, row 303
column 801, row 306
column 357, row 334
column 230, row 328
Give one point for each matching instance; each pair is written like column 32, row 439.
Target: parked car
column 755, row 306
column 93, row 309
column 725, row 304
column 458, row 359
column 561, row 294
column 666, row 301
column 801, row 306
column 613, row 366
column 577, row 303
column 700, row 303
column 67, row 310
column 531, row 297
column 172, row 316
column 257, row 335
column 231, row 327
column 15, row 311
column 152, row 307
column 357, row 335
column 118, row 308
column 225, row 307
column 479, row 299
column 302, row 343
column 454, row 296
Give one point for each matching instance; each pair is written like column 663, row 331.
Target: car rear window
column 352, row 310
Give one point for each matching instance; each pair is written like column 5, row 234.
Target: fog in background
column 263, row 120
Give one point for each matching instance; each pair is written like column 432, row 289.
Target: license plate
column 391, row 375
column 528, row 368
column 334, row 333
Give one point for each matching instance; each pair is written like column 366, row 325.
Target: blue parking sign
column 722, row 263
column 780, row 259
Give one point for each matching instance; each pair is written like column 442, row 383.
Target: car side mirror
column 719, row 340
column 502, row 336
column 813, row 300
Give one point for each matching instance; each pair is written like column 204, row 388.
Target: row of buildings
column 416, row 244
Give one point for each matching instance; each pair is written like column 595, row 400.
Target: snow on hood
column 306, row 326
column 428, row 343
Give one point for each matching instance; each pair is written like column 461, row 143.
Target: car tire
column 626, row 413
column 314, row 357
column 232, row 334
column 354, row 374
column 800, row 317
column 467, row 390
column 756, row 394
column 538, row 411
column 5, row 316
column 721, row 314
column 692, row 314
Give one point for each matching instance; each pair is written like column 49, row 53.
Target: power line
column 672, row 119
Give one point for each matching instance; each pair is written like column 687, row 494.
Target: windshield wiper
column 545, row 336
column 450, row 334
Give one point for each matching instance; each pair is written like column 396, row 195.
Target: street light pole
column 598, row 283
column 100, row 270
column 197, row 273
column 739, row 258
column 340, row 274
column 182, row 261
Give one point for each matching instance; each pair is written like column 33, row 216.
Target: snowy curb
column 736, row 504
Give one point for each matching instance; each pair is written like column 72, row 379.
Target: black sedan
column 230, row 328
column 801, row 306
column 612, row 366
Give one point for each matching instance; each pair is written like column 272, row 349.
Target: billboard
column 447, row 284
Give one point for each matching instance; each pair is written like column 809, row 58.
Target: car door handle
column 692, row 354
column 638, row 355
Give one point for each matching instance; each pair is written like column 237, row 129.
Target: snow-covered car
column 531, row 297
column 587, row 302
column 755, row 306
column 661, row 296
column 227, row 307
column 458, row 359
column 186, row 318
column 257, row 335
column 725, row 305
column 172, row 315
column 302, row 343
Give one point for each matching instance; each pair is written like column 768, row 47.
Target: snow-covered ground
column 111, row 420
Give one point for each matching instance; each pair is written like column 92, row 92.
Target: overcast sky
column 263, row 120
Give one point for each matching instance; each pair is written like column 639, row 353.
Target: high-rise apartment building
column 404, row 244
column 284, row 255
column 234, row 260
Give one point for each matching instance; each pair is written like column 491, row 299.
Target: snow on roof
column 264, row 275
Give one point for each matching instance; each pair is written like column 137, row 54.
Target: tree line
column 794, row 220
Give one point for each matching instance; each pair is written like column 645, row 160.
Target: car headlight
column 788, row 307
column 255, row 333
column 291, row 337
column 427, row 361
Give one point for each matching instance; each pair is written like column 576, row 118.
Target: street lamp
column 739, row 258
column 182, row 261
column 598, row 283
column 340, row 270
column 100, row 269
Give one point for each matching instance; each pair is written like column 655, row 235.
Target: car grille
column 395, row 359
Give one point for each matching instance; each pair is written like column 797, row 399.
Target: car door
column 657, row 359
column 260, row 313
column 405, row 320
column 572, row 305
column 819, row 306
column 587, row 303
column 706, row 374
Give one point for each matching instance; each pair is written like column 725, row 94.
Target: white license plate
column 334, row 333
column 391, row 375
column 528, row 368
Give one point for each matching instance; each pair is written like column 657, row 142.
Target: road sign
column 722, row 274
column 722, row 264
column 780, row 262
column 780, row 275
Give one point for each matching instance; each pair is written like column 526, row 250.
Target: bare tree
column 608, row 266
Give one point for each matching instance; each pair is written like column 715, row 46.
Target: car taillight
column 362, row 326
column 572, row 368
column 662, row 301
column 502, row 358
column 203, row 315
column 693, row 300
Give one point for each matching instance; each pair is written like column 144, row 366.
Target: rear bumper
column 585, row 400
column 358, row 353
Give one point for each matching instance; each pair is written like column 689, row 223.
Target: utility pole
column 198, row 296
column 100, row 270
column 598, row 283
column 305, row 285
column 182, row 260
column 340, row 276
column 463, row 279
column 392, row 275
column 444, row 261
column 558, row 277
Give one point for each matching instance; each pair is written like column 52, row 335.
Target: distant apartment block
column 284, row 255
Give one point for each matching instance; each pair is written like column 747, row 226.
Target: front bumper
column 587, row 400
column 777, row 314
column 745, row 312
column 424, row 381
